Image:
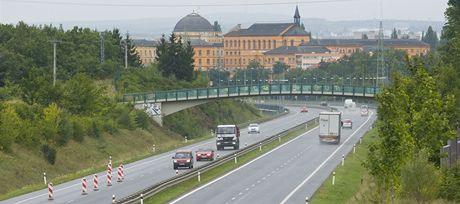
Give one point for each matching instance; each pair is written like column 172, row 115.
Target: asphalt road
column 146, row 172
column 287, row 174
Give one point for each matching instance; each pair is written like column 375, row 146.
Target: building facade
column 146, row 50
column 244, row 45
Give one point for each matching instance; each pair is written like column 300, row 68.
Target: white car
column 253, row 128
column 347, row 123
column 364, row 110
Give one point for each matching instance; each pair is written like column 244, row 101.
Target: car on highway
column 183, row 158
column 364, row 110
column 323, row 103
column 304, row 109
column 347, row 123
column 204, row 154
column 253, row 128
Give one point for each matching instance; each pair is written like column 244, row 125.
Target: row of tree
column 418, row 114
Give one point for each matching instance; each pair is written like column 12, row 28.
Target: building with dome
column 205, row 38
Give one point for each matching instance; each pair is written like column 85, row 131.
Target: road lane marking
column 324, row 162
column 241, row 167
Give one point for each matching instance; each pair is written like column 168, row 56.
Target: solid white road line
column 239, row 168
column 324, row 162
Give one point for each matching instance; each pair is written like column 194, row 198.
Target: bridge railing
column 250, row 90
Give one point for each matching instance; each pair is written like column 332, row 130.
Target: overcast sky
column 30, row 11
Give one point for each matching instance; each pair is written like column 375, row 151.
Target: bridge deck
column 250, row 90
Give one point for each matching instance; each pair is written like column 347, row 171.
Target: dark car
column 204, row 154
column 183, row 158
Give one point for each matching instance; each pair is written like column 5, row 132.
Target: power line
column 175, row 5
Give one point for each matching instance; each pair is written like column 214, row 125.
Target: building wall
column 240, row 50
column 412, row 51
column 146, row 54
column 210, row 37
column 208, row 57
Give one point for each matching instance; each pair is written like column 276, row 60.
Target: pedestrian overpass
column 163, row 103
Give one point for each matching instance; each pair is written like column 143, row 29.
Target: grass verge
column 349, row 178
column 179, row 189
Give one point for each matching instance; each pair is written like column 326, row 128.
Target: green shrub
column 65, row 131
column 94, row 129
column 109, row 125
column 49, row 153
column 78, row 131
column 142, row 119
column 420, row 179
column 450, row 186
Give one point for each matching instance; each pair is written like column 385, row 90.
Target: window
column 253, row 44
column 244, row 44
column 284, row 42
column 199, row 61
column 231, row 43
column 292, row 42
column 199, row 52
column 249, row 44
column 263, row 45
column 234, row 43
column 226, row 43
column 258, row 44
column 274, row 43
column 207, row 61
column 207, row 52
column 269, row 44
column 239, row 44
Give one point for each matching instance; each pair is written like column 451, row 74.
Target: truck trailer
column 330, row 124
column 227, row 136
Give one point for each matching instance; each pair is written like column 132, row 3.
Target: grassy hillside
column 24, row 166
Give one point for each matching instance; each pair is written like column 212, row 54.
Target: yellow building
column 207, row 55
column 305, row 57
column 348, row 46
column 146, row 50
column 244, row 45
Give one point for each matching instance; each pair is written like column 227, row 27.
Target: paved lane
column 285, row 175
column 146, row 172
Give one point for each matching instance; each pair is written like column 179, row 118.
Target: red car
column 183, row 158
column 205, row 154
column 304, row 109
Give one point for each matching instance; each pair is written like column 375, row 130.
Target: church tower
column 297, row 16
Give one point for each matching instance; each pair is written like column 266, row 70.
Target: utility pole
column 380, row 81
column 54, row 59
column 101, row 35
column 126, row 51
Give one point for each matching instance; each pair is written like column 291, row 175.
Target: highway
column 146, row 172
column 286, row 174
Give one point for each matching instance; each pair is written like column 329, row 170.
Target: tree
column 9, row 127
column 364, row 36
column 450, row 34
column 394, row 34
column 279, row 67
column 431, row 37
column 134, row 59
column 175, row 59
column 81, row 96
column 217, row 27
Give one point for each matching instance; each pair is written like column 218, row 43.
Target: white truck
column 330, row 127
column 349, row 104
column 227, row 136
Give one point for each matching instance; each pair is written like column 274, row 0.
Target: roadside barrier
column 50, row 191
column 113, row 198
column 306, row 200
column 83, row 186
column 96, row 183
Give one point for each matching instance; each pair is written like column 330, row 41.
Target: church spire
column 297, row 16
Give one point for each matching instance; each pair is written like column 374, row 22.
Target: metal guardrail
column 251, row 90
column 152, row 190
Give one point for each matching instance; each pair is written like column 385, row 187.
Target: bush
column 65, row 131
column 109, row 125
column 142, row 119
column 94, row 129
column 450, row 186
column 49, row 153
column 78, row 131
column 420, row 178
